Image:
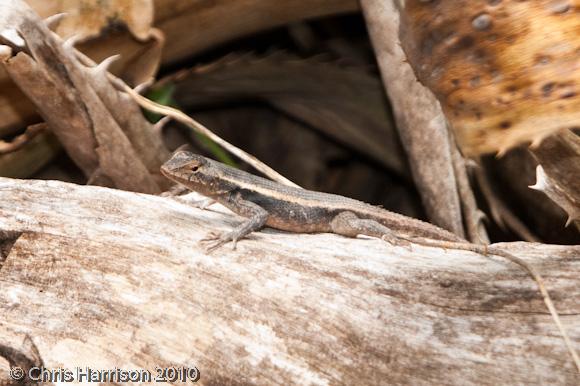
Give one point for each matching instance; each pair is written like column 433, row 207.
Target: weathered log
column 105, row 278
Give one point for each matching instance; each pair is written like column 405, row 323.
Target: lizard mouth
column 165, row 171
column 173, row 173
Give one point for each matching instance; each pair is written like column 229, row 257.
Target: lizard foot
column 201, row 204
column 175, row 191
column 214, row 240
column 397, row 241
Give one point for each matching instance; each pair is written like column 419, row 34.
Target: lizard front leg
column 257, row 217
column 349, row 224
column 180, row 192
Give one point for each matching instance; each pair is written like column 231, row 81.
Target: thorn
column 103, row 67
column 480, row 216
column 472, row 164
column 185, row 146
column 568, row 222
column 71, row 41
column 140, row 88
column 12, row 36
column 536, row 142
column 501, row 152
column 53, row 21
column 158, row 127
column 541, row 179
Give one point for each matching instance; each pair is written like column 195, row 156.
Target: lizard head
column 184, row 166
column 191, row 170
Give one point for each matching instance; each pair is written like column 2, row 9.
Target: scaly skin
column 291, row 209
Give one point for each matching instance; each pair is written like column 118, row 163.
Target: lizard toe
column 214, row 240
column 397, row 241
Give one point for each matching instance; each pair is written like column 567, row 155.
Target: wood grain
column 106, row 278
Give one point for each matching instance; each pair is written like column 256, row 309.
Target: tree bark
column 105, row 278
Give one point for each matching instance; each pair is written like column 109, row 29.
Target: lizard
column 267, row 203
column 288, row 208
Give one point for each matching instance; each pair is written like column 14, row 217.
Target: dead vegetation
column 312, row 99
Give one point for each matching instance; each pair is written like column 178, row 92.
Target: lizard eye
column 194, row 168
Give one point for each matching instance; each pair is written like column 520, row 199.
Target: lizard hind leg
column 350, row 225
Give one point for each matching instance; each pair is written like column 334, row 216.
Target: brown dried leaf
column 32, row 156
column 505, row 72
column 510, row 176
column 190, row 27
column 558, row 194
column 80, row 108
column 559, row 171
column 87, row 18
